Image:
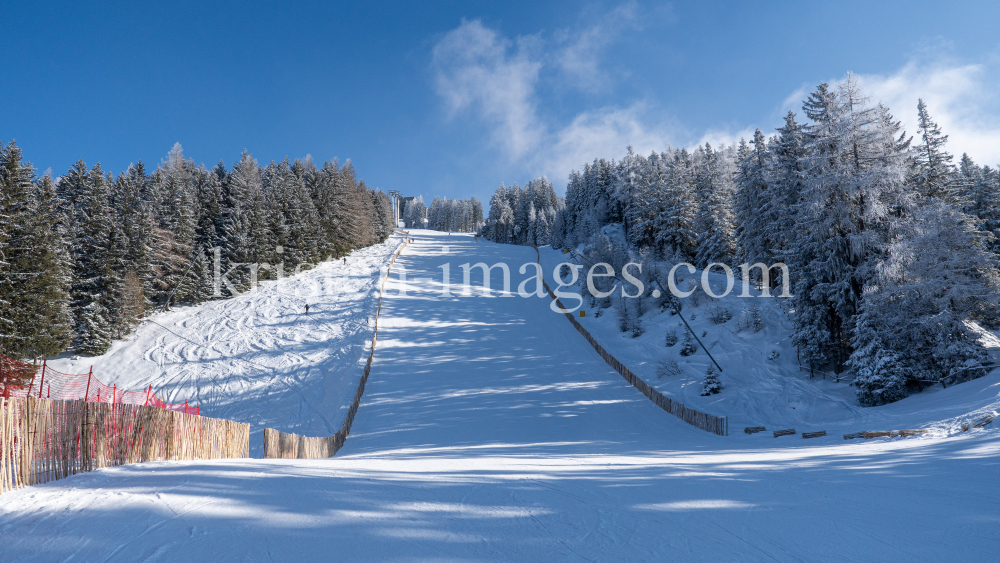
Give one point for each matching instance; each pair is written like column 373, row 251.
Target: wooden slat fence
column 44, row 440
column 285, row 445
column 710, row 423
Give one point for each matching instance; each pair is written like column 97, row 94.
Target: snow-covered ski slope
column 259, row 357
column 491, row 431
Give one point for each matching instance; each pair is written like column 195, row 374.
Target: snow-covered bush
column 688, row 348
column 624, row 322
column 668, row 368
column 719, row 314
column 880, row 376
column 633, row 308
column 752, row 318
column 671, row 338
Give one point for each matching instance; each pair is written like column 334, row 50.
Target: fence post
column 32, row 384
column 40, row 385
column 150, row 390
column 114, row 391
column 90, row 375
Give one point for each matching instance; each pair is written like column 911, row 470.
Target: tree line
column 892, row 247
column 455, row 215
column 87, row 255
column 523, row 215
column 450, row 215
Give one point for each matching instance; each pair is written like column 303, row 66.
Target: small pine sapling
column 711, row 385
column 773, row 355
column 687, row 348
column 756, row 318
column 671, row 338
column 719, row 315
column 635, row 318
column 623, row 320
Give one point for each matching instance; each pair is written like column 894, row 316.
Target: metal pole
column 698, row 339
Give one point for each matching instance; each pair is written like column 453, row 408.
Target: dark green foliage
column 83, row 259
column 34, row 279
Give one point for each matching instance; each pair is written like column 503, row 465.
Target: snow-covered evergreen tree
column 938, row 277
column 678, row 208
column 981, row 196
column 711, row 385
column 33, row 273
column 757, row 214
column 932, row 173
column 853, row 194
column 96, row 285
column 414, row 213
column 714, row 222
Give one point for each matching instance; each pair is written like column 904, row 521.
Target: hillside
column 490, row 430
column 762, row 388
column 259, row 357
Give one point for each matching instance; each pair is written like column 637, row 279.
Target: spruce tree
column 33, row 295
column 853, row 195
column 675, row 224
column 711, row 385
column 932, row 174
column 136, row 221
column 94, row 282
column 714, row 222
column 756, row 215
column 937, row 277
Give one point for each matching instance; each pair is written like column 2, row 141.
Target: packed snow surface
column 491, row 431
column 259, row 357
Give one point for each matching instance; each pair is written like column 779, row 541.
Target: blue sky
column 451, row 98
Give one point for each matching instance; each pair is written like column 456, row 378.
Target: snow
column 490, row 430
column 759, row 391
column 259, row 358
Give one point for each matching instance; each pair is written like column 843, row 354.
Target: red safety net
column 47, row 383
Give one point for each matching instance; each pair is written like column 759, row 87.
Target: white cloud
column 601, row 133
column 720, row 137
column 495, row 79
column 959, row 97
column 476, row 70
column 578, row 56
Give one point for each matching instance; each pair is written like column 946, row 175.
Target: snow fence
column 44, row 440
column 707, row 422
column 47, row 383
column 285, row 445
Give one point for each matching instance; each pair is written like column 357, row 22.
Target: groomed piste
column 490, row 430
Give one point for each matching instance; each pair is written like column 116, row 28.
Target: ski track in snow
column 491, row 431
column 258, row 357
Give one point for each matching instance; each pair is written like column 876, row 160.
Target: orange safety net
column 47, row 383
